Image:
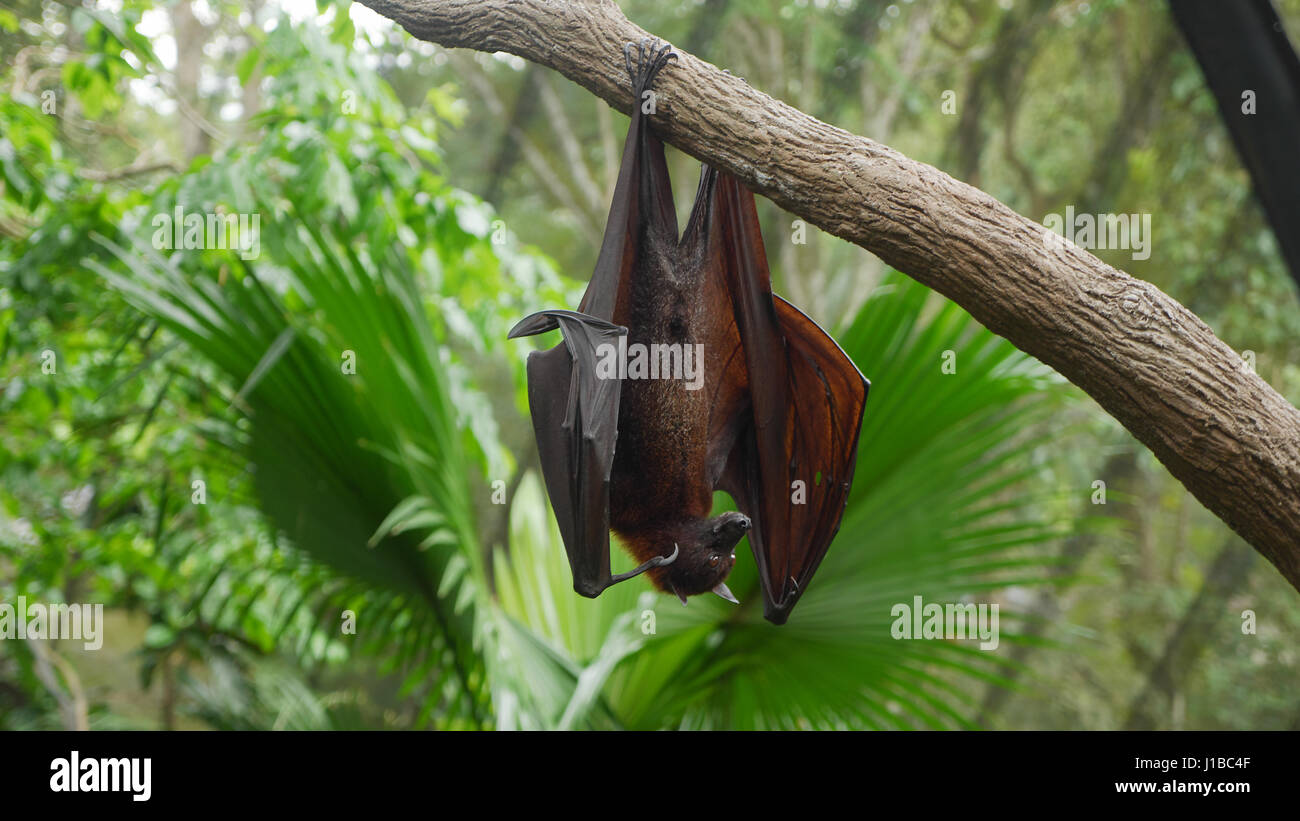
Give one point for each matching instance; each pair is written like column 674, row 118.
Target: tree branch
column 140, row 166
column 1147, row 360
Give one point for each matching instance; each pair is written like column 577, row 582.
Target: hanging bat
column 751, row 396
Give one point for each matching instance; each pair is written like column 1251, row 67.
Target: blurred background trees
column 201, row 461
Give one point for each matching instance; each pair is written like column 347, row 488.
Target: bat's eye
column 713, row 560
column 733, row 555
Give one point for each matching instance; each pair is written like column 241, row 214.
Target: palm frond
column 332, row 451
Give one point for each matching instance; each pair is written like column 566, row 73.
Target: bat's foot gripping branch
column 651, row 57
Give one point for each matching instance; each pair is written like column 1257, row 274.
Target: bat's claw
column 787, row 595
column 657, row 561
column 660, row 561
column 651, row 57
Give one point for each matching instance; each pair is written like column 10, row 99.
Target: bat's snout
column 733, row 521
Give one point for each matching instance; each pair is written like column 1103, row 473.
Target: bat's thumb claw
column 669, row 559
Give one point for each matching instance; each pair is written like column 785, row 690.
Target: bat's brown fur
column 661, row 490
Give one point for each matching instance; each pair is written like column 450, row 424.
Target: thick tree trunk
column 1151, row 363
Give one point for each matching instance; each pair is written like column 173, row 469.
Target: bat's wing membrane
column 825, row 399
column 787, row 401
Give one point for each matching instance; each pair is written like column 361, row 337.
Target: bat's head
column 707, row 552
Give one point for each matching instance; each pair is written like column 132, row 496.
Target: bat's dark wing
column 1243, row 47
column 574, row 410
column 575, row 418
column 787, row 401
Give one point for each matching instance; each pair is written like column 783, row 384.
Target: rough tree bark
column 1231, row 439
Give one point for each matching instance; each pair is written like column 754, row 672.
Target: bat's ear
column 725, row 592
column 679, row 593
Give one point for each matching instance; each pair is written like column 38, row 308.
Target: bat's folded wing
column 792, row 448
column 575, row 418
